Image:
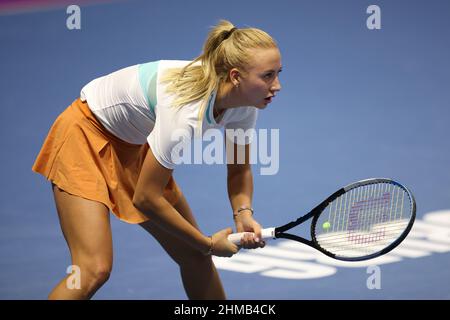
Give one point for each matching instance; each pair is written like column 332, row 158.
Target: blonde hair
column 226, row 47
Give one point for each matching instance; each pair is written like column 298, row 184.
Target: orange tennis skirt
column 82, row 158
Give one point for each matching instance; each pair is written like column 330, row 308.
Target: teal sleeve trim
column 148, row 74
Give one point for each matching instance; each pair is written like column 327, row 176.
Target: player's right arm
column 149, row 199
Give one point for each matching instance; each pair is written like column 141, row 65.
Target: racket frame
column 315, row 213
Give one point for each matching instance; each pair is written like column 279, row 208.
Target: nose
column 276, row 85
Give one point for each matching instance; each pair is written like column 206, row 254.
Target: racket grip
column 267, row 234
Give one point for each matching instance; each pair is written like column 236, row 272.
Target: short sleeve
column 242, row 130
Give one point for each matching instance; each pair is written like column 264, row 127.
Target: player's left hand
column 246, row 223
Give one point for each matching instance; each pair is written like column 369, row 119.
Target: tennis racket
column 361, row 221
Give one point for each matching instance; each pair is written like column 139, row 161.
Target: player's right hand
column 221, row 246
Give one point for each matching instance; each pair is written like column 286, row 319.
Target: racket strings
column 364, row 219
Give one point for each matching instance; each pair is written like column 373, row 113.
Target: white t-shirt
column 133, row 105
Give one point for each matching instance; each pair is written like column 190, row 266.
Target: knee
column 194, row 259
column 97, row 273
column 101, row 274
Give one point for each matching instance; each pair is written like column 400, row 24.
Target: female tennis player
column 113, row 149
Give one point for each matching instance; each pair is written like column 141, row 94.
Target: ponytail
column 226, row 47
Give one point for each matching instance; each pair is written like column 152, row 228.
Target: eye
column 271, row 74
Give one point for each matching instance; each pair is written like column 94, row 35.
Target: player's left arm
column 240, row 192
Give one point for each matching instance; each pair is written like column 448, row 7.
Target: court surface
column 356, row 103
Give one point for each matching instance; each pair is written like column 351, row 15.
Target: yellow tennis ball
column 326, row 225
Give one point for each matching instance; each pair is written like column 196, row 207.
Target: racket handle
column 267, row 234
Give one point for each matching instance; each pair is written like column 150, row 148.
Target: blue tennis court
column 355, row 103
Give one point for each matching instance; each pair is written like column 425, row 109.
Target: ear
column 235, row 76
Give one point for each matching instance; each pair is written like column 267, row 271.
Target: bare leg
column 86, row 228
column 199, row 275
